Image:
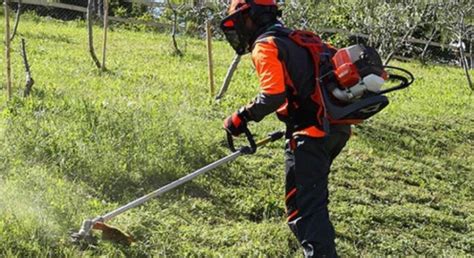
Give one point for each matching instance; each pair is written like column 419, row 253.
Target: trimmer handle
column 246, row 149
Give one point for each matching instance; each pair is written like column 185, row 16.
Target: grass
column 87, row 142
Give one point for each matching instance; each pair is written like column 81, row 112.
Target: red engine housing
column 345, row 71
column 355, row 62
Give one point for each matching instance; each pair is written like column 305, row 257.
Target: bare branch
column 400, row 43
column 175, row 25
column 433, row 33
column 29, row 79
column 407, row 34
column 17, row 20
column 228, row 77
column 90, row 33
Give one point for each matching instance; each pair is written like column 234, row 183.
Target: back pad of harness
column 359, row 110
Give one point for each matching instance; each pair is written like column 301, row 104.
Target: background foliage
column 386, row 24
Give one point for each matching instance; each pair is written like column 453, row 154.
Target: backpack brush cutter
column 84, row 235
column 354, row 87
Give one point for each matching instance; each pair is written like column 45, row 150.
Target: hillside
column 87, row 142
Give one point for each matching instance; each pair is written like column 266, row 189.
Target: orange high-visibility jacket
column 282, row 65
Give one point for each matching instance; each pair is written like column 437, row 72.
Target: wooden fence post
column 209, row 57
column 106, row 28
column 8, row 69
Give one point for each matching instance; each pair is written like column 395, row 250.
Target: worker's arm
column 270, row 73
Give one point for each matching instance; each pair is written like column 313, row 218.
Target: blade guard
column 114, row 234
column 109, row 233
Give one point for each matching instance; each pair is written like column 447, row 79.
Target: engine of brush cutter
column 353, row 91
column 357, row 70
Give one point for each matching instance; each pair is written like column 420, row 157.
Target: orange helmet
column 235, row 5
column 238, row 34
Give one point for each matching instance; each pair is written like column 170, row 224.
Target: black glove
column 237, row 122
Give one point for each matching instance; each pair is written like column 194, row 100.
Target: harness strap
column 320, row 55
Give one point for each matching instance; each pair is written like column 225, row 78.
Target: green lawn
column 87, row 142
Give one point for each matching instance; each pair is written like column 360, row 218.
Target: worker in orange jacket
column 284, row 67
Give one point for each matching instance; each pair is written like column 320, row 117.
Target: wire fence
column 196, row 17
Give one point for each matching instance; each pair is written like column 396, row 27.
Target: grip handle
column 253, row 145
column 245, row 149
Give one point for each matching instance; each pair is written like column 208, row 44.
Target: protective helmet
column 240, row 36
column 235, row 5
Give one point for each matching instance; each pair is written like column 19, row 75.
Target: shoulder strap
column 320, row 54
column 275, row 31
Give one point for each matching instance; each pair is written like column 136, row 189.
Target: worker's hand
column 237, row 122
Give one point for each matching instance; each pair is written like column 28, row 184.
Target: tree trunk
column 17, row 20
column 91, row 32
column 106, row 27
column 175, row 25
column 462, row 53
column 29, row 78
column 470, row 52
column 7, row 49
column 464, row 63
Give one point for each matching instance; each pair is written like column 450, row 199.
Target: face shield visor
column 234, row 29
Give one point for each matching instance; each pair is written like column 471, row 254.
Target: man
column 283, row 68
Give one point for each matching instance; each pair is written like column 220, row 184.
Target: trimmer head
column 84, row 237
column 108, row 233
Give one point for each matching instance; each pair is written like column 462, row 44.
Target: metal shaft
column 168, row 187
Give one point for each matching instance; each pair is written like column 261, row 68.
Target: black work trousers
column 308, row 161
